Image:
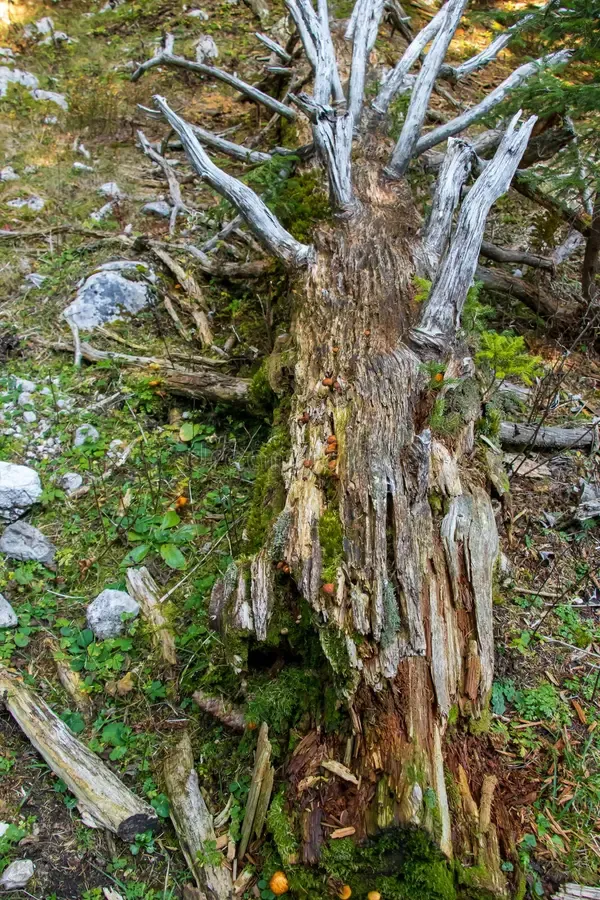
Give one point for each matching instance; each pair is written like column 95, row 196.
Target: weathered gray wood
column 490, row 100
column 143, row 588
column 229, row 148
column 364, row 35
column 441, row 315
column 453, row 174
column 261, row 778
column 504, row 255
column 488, row 54
column 192, row 821
column 70, row 680
column 535, row 295
column 193, row 290
column 102, row 797
column 273, row 46
column 546, row 437
column 577, row 892
column 174, row 187
column 167, row 58
column 419, row 101
column 259, row 217
column 394, row 80
column 313, row 28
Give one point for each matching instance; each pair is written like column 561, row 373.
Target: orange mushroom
column 373, row 895
column 279, row 883
column 345, row 892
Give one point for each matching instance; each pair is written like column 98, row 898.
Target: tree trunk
column 401, row 592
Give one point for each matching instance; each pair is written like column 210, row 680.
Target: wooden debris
column 340, row 770
column 242, row 882
column 230, row 715
column 342, row 832
column 103, row 799
column 546, row 437
column 143, row 588
column 577, row 892
column 260, row 790
column 192, row 821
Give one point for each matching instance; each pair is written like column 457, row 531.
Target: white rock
column 114, row 448
column 35, row 279
column 58, row 37
column 17, row 874
column 24, row 542
column 8, row 174
column 51, row 120
column 29, row 416
column 84, row 434
column 45, row 25
column 71, row 481
column 30, row 170
column 16, row 76
column 81, row 148
column 111, row 189
column 158, row 208
column 25, row 398
column 6, row 53
column 51, row 97
column 23, row 384
column 8, row 619
column 103, row 213
column 4, row 826
column 206, row 48
column 81, row 167
column 34, row 203
column 105, row 612
column 198, row 14
column 107, row 294
column 20, row 488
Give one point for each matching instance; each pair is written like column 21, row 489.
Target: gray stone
column 24, row 542
column 51, row 120
column 25, row 398
column 81, row 167
column 16, row 76
column 198, row 14
column 51, row 97
column 85, row 433
column 22, row 384
column 6, row 53
column 114, row 289
column 103, row 213
column 17, row 874
column 71, row 481
column 8, row 617
column 20, row 487
column 34, row 203
column 35, row 279
column 45, row 25
column 158, row 208
column 8, row 174
column 29, row 416
column 105, row 612
column 4, row 826
column 206, row 49
column 112, row 190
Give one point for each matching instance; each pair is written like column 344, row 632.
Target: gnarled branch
column 441, row 316
column 502, row 255
column 453, row 174
column 490, row 101
column 269, row 231
column 368, row 16
column 419, row 101
column 167, row 58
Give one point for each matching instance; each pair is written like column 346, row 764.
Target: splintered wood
column 143, row 588
column 259, row 795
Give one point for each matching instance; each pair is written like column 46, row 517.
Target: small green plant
column 164, row 535
column 423, row 287
column 209, row 855
column 502, row 356
column 143, row 843
column 442, row 421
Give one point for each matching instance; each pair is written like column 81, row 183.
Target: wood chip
column 342, row 832
column 580, row 712
column 340, row 770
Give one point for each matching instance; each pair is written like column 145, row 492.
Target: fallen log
column 534, row 296
column 143, row 588
column 201, row 384
column 103, row 800
column 231, row 716
column 547, row 437
column 193, row 822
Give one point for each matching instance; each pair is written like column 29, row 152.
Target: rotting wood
column 192, row 289
column 260, row 786
column 103, row 799
column 231, row 716
column 70, row 680
column 143, row 588
column 192, row 821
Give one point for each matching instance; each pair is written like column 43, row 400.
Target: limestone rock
column 158, row 208
column 85, row 433
column 8, row 617
column 70, row 482
column 8, row 174
column 114, row 289
column 34, row 203
column 25, row 543
column 112, row 190
column 20, row 487
column 16, row 76
column 51, row 97
column 17, row 874
column 105, row 612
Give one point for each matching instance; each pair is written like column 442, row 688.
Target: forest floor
column 193, row 464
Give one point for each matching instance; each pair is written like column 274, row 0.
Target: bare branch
column 167, row 58
column 393, row 82
column 229, row 148
column 482, row 144
column 502, row 255
column 488, row 54
column 453, row 174
column 580, row 222
column 315, row 35
column 419, row 101
column 259, row 217
column 546, row 437
column 174, row 188
column 441, row 316
column 535, row 295
column 490, row 101
column 365, row 33
column 274, row 47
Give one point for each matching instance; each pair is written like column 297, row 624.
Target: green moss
column 268, row 497
column 482, row 724
column 391, row 616
column 331, row 540
column 436, row 503
column 262, row 396
column 453, row 715
column 280, row 827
